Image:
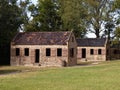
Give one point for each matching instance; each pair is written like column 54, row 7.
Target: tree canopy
column 10, row 20
column 117, row 8
column 73, row 16
column 45, row 16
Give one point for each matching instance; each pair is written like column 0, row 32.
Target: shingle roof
column 42, row 38
column 97, row 42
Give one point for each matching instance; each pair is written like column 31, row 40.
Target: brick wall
column 90, row 57
column 52, row 60
column 72, row 44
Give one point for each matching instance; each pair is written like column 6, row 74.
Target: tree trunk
column 97, row 33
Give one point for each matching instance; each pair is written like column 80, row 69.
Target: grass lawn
column 104, row 76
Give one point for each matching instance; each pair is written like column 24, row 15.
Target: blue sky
column 34, row 1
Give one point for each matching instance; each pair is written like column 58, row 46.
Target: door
column 83, row 53
column 37, row 55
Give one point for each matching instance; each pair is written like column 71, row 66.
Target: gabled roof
column 42, row 38
column 91, row 42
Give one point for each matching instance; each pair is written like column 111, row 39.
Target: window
column 59, row 52
column 83, row 53
column 91, row 51
column 17, row 51
column 99, row 51
column 26, row 50
column 48, row 53
column 72, row 52
column 37, row 55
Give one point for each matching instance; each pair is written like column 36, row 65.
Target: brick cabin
column 44, row 49
column 114, row 52
column 92, row 49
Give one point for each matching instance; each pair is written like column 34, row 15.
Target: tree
column 10, row 20
column 24, row 5
column 45, row 16
column 117, row 33
column 99, row 15
column 73, row 16
column 117, row 38
column 117, row 4
column 116, row 8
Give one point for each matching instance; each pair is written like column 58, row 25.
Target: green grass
column 104, row 76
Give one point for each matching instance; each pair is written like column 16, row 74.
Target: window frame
column 26, row 51
column 83, row 55
column 99, row 51
column 59, row 52
column 91, row 51
column 17, row 51
column 48, row 52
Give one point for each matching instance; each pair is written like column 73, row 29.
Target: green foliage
column 92, row 16
column 117, row 33
column 116, row 7
column 54, row 15
column 73, row 15
column 81, row 16
column 10, row 20
column 45, row 16
column 117, row 4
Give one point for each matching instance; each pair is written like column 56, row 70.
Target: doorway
column 37, row 55
column 83, row 53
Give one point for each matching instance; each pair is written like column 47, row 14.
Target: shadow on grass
column 5, row 72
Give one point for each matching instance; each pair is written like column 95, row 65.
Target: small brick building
column 92, row 49
column 44, row 49
column 114, row 52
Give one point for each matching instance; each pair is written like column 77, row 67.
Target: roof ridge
column 90, row 38
column 45, row 31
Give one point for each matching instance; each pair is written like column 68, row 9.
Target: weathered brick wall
column 53, row 60
column 44, row 60
column 21, row 59
column 72, row 44
column 94, row 57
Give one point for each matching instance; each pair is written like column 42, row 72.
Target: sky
column 34, row 1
